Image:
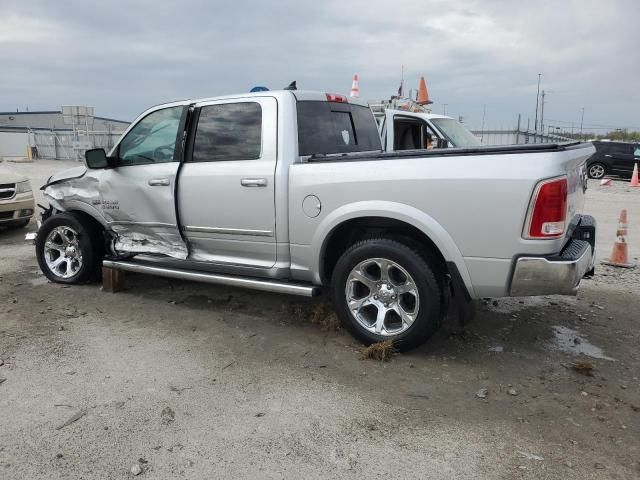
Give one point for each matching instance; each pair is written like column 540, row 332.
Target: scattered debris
column 1, row 362
column 58, row 455
column 2, row 380
column 179, row 390
column 381, row 351
column 584, row 367
column 136, row 470
column 228, row 365
column 260, row 414
column 530, row 456
column 418, row 395
column 497, row 349
column 482, row 393
column 74, row 418
column 30, row 236
column 598, row 466
column 62, row 405
column 167, row 415
column 513, row 392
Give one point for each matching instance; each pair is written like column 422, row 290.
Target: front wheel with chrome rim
column 68, row 249
column 384, row 289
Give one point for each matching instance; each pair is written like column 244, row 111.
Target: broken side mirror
column 97, row 158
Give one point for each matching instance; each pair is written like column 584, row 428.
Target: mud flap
column 461, row 303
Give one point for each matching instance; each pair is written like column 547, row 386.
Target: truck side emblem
column 345, row 136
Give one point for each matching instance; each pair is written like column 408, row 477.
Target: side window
column 412, row 134
column 636, row 152
column 229, row 131
column 621, row 149
column 152, row 139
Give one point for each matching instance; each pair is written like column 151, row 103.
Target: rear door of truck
column 226, row 191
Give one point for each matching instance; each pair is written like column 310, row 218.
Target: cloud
column 122, row 56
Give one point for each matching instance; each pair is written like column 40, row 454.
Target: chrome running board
column 233, row 281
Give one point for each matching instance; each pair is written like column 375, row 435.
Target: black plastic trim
column 449, row 152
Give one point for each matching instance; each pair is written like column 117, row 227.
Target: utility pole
column 542, row 113
column 535, row 123
column 444, row 108
column 581, row 123
column 484, row 111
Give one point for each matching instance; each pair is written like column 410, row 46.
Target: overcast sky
column 122, row 56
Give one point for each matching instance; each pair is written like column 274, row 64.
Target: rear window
column 329, row 127
column 228, row 131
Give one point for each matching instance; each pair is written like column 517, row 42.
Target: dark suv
column 613, row 158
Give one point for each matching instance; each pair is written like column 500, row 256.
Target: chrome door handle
column 253, row 182
column 159, row 182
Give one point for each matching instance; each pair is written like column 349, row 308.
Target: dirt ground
column 184, row 380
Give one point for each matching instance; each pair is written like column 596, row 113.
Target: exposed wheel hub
column 386, row 293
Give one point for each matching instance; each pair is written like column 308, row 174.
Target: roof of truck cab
column 302, row 95
column 428, row 116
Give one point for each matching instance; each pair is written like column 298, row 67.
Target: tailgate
column 574, row 164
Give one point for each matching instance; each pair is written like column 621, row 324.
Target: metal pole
column 484, row 111
column 581, row 122
column 535, row 124
column 542, row 113
column 444, row 108
column 518, row 131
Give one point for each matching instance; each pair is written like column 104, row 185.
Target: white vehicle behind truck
column 405, row 129
column 292, row 192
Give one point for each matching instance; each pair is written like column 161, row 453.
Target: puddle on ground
column 569, row 341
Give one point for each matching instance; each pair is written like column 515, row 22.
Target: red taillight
column 549, row 209
column 334, row 97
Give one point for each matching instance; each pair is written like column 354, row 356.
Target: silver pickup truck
column 290, row 192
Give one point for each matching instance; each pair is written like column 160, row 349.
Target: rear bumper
column 557, row 274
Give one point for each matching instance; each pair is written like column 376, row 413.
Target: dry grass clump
column 324, row 315
column 583, row 367
column 381, row 351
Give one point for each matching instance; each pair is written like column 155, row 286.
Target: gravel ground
column 181, row 380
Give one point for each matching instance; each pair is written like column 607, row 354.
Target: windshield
column 456, row 133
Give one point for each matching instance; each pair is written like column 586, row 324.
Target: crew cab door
column 137, row 196
column 226, row 194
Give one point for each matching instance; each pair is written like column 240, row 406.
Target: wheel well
column 357, row 229
column 85, row 217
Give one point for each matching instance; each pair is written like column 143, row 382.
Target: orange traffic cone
column 634, row 177
column 620, row 254
column 423, row 94
column 605, row 181
column 355, row 88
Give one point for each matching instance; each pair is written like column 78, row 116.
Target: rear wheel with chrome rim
column 385, row 290
column 68, row 249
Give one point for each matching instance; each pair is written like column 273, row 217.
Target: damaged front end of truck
column 86, row 192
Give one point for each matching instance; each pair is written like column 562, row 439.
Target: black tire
column 597, row 170
column 426, row 273
column 88, row 241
